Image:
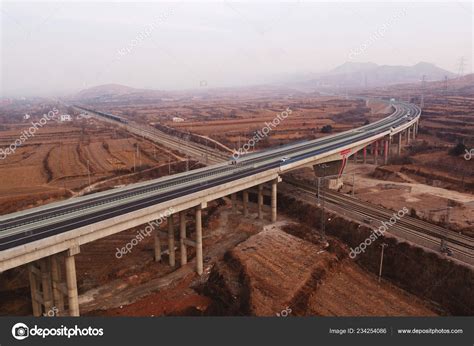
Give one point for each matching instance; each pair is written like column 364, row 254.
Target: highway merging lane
column 37, row 223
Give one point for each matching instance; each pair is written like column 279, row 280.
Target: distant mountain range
column 107, row 90
column 119, row 93
column 368, row 74
column 350, row 75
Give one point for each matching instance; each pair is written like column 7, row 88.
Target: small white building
column 177, row 119
column 65, row 117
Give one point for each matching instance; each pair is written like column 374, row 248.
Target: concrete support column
column 408, row 135
column 376, row 152
column 171, row 252
column 385, row 152
column 34, row 290
column 157, row 246
column 71, row 285
column 260, row 202
column 182, row 237
column 58, row 297
column 365, row 154
column 233, row 199
column 274, row 201
column 199, row 260
column 414, row 130
column 46, row 284
column 245, row 202
column 399, row 144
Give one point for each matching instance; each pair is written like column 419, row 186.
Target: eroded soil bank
column 422, row 273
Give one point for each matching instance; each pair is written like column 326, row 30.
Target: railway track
column 37, row 223
column 197, row 151
column 461, row 245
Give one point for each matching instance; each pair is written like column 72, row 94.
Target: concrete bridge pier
column 408, row 135
column 71, row 281
column 365, row 154
column 157, row 246
column 57, row 284
column 48, row 288
column 171, row 249
column 333, row 169
column 199, row 259
column 274, row 200
column 233, row 200
column 260, row 202
column 399, row 144
column 182, row 238
column 46, row 283
column 386, row 149
column 376, row 152
column 245, row 202
column 35, row 289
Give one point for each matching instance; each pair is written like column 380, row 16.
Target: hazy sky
column 62, row 47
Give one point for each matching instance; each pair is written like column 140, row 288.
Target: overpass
column 45, row 237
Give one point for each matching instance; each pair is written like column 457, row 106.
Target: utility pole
column 353, row 184
column 89, row 174
column 135, row 160
column 444, row 237
column 323, row 218
column 383, row 245
column 448, row 208
column 139, row 155
column 319, row 189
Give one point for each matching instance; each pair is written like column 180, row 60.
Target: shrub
column 326, row 129
column 459, row 149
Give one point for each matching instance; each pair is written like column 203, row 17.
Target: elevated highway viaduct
column 43, row 238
